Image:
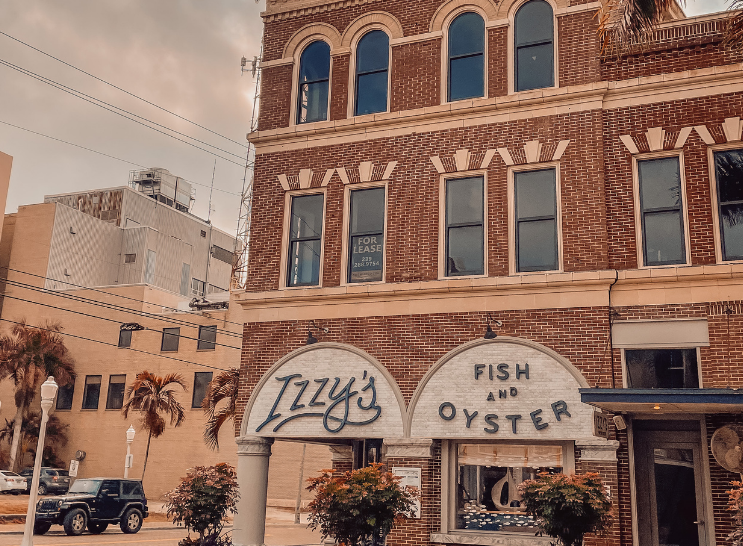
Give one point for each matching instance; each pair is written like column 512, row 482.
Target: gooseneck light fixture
column 310, row 338
column 489, row 333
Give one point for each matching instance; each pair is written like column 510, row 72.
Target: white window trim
column 442, row 222
column 285, row 236
column 638, row 210
column 512, row 263
column 295, row 79
column 351, row 110
column 680, row 346
column 511, row 49
column 445, row 53
column 717, row 232
column 347, row 230
column 449, row 473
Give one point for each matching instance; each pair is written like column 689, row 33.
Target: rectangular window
column 464, row 226
column 207, row 337
column 305, row 240
column 92, row 391
column 130, row 258
column 662, row 369
column 488, row 476
column 64, row 396
column 729, row 175
column 661, row 211
column 201, row 382
column 197, row 288
column 125, row 338
column 149, row 268
column 185, row 275
column 116, row 385
column 171, row 336
column 366, row 235
column 535, row 211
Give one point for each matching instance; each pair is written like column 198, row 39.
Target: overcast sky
column 183, row 55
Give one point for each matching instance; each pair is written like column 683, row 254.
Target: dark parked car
column 51, row 480
column 94, row 503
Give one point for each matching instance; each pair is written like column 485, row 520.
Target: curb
column 154, row 527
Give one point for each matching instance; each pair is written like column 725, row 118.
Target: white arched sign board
column 326, row 390
column 501, row 389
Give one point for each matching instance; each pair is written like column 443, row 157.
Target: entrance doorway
column 668, row 483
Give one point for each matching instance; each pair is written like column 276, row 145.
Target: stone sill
column 490, row 539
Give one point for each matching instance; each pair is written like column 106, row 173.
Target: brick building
column 471, row 232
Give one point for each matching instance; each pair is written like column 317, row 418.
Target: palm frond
column 624, row 22
column 221, row 388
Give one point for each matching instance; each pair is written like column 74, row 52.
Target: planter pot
column 377, row 539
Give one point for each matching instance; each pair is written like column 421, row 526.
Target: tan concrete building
column 95, row 260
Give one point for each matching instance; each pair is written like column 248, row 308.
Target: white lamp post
column 129, row 439
column 48, row 392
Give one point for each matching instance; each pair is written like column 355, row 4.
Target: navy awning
column 665, row 400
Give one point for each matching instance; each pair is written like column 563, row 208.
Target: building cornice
column 524, row 105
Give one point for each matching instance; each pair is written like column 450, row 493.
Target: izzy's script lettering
column 339, row 403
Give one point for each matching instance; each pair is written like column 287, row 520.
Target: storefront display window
column 488, row 476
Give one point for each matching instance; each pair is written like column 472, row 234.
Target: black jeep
column 94, row 503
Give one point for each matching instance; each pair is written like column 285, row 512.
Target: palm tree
column 624, row 22
column 28, row 355
column 153, row 396
column 222, row 387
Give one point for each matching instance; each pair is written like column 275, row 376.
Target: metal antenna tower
column 240, row 262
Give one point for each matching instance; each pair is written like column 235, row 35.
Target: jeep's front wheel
column 41, row 527
column 132, row 521
column 97, row 528
column 75, row 522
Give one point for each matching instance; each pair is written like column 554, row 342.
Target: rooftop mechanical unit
column 166, row 188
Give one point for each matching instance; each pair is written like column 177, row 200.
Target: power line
column 120, row 89
column 114, row 345
column 113, row 109
column 104, row 154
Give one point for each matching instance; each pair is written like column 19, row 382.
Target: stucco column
column 252, row 475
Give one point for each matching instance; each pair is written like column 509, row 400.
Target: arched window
column 372, row 67
column 466, row 57
column 534, row 36
column 314, row 76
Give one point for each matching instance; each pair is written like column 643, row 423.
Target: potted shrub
column 201, row 502
column 567, row 507
column 736, row 505
column 358, row 508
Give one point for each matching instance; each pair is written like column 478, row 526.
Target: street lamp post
column 48, row 392
column 129, row 440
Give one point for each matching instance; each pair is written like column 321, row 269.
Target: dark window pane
column 125, row 338
column 465, row 255
column 535, row 194
column 315, row 62
column 535, row 66
column 373, row 52
column 207, row 337
column 662, row 369
column 304, row 263
column 306, row 221
column 675, row 497
column 371, row 93
column 664, row 238
column 534, row 23
column 313, row 102
column 171, row 336
column 732, row 231
column 466, row 78
column 92, row 391
column 466, row 35
column 464, row 201
column 729, row 170
column 200, row 384
column 116, row 385
column 64, row 396
column 367, row 211
column 660, row 183
column 537, row 245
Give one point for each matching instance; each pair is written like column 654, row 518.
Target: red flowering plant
column 201, row 502
column 359, row 508
column 735, row 504
column 568, row 507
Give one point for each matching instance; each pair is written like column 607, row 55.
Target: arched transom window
column 314, row 78
column 372, row 67
column 534, row 37
column 466, row 57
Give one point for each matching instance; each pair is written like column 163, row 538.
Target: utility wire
column 120, row 89
column 115, row 345
column 240, row 324
column 107, row 155
column 114, row 109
